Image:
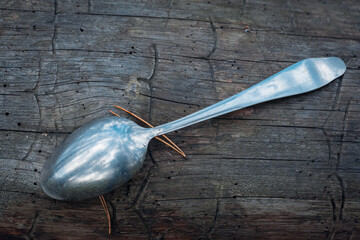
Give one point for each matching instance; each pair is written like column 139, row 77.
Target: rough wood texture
column 289, row 169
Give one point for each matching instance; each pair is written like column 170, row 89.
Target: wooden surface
column 287, row 169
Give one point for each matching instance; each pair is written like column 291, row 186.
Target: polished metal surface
column 95, row 159
column 105, row 153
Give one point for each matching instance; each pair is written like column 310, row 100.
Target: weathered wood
column 288, row 169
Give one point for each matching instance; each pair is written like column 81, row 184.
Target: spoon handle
column 304, row 76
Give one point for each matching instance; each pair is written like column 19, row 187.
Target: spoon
column 105, row 153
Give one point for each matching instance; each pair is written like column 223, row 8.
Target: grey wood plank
column 279, row 170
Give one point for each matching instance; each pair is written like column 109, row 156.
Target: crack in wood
column 33, row 131
column 212, row 227
column 55, row 7
column 242, row 8
column 336, row 99
column 23, row 10
column 140, row 16
column 35, row 91
column 20, row 192
column 142, row 188
column 10, row 94
column 142, row 219
column 89, row 6
column 3, row 181
column 327, row 139
column 57, row 109
column 170, row 4
column 333, row 204
column 31, row 230
column 215, row 37
column 343, row 130
column 230, row 197
column 337, row 221
column 53, row 39
column 168, row 100
column 152, row 158
column 342, row 185
column 282, row 126
column 151, row 77
column 208, row 57
column 333, row 228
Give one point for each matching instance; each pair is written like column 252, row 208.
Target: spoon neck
column 148, row 133
column 212, row 111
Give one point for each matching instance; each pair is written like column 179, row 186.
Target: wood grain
column 287, row 169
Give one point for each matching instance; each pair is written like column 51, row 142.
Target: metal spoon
column 105, row 153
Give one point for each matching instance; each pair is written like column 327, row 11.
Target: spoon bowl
column 87, row 163
column 105, row 153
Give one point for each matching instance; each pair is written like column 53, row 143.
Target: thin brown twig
column 171, row 145
column 139, row 118
column 103, row 202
